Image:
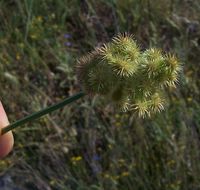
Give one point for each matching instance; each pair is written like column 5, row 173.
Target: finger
column 6, row 140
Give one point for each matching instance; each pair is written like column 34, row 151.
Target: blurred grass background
column 88, row 145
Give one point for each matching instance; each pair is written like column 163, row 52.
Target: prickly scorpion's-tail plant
column 119, row 71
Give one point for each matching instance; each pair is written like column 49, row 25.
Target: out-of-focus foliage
column 87, row 145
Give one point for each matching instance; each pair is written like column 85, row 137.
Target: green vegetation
column 88, row 145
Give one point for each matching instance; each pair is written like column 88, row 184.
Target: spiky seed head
column 122, row 60
column 130, row 78
column 153, row 54
column 172, row 62
column 84, row 65
column 152, row 61
column 124, row 105
column 157, row 103
column 169, row 72
column 172, row 80
column 142, row 108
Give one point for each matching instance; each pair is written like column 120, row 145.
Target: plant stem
column 42, row 112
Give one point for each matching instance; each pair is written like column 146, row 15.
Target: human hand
column 6, row 140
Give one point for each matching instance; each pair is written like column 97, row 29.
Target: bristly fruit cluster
column 131, row 78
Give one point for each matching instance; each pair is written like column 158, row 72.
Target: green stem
column 42, row 112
